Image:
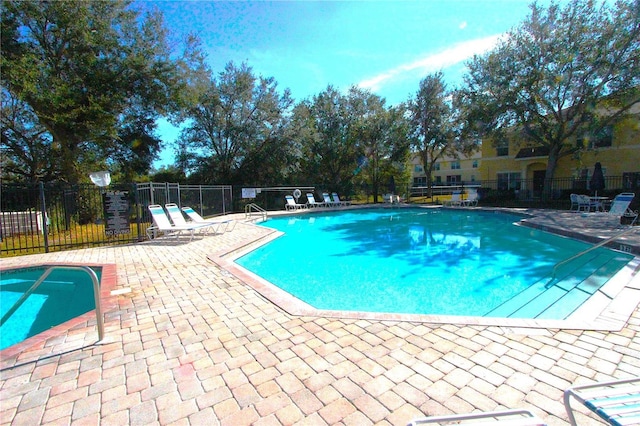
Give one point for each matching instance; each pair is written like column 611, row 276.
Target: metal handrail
column 96, row 295
column 600, row 244
column 249, row 208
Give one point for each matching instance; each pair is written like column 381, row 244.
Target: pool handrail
column 600, row 244
column 96, row 294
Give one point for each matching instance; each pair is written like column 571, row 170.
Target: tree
column 80, row 67
column 328, row 146
column 563, row 73
column 24, row 143
column 239, row 129
column 433, row 123
column 382, row 138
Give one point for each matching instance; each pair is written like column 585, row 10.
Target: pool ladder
column 249, row 209
column 96, row 295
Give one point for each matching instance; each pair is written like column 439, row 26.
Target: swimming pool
column 431, row 262
column 65, row 294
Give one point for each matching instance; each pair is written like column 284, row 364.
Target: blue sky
column 384, row 46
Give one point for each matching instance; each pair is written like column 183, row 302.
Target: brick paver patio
column 188, row 343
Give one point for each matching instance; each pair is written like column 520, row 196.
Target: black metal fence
column 45, row 217
column 42, row 217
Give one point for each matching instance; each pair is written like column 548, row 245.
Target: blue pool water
column 428, row 261
column 64, row 295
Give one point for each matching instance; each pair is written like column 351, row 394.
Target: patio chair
column 162, row 224
column 583, row 203
column 292, row 205
column 175, row 214
column 391, row 198
column 456, row 199
column 223, row 225
column 311, row 201
column 504, row 418
column 472, row 199
column 337, row 199
column 328, row 201
column 620, row 205
column 617, row 402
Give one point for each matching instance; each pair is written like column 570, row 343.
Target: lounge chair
column 162, row 224
column 505, row 418
column 391, row 198
column 177, row 218
column 224, row 225
column 456, row 199
column 616, row 402
column 311, row 201
column 620, row 205
column 292, row 205
column 328, row 201
column 337, row 199
column 472, row 199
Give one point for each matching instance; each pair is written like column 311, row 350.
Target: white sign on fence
column 249, row 192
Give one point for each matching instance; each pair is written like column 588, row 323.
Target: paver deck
column 188, row 343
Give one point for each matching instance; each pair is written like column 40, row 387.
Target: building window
column 509, row 180
column 418, row 168
column 581, row 179
column 475, row 164
column 602, row 139
column 436, row 166
column 453, row 179
column 502, row 149
column 631, row 180
column 455, row 165
column 419, row 181
column 438, row 180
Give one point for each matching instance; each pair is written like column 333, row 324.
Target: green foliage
column 548, row 80
column 433, row 123
column 238, row 129
column 84, row 69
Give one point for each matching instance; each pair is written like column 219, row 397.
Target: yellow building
column 522, row 168
column 449, row 170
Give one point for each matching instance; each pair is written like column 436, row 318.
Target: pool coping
column 107, row 302
column 608, row 309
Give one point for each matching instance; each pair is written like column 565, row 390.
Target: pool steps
column 575, row 283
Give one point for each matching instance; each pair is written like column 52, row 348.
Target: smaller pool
column 64, row 295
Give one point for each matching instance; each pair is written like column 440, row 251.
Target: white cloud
column 432, row 63
column 463, row 25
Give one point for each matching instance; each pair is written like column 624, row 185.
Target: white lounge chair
column 471, row 200
column 456, row 199
column 391, row 198
column 328, row 201
column 337, row 199
column 162, row 224
column 505, row 418
column 292, row 205
column 177, row 218
column 224, row 225
column 311, row 201
column 617, row 402
column 620, row 205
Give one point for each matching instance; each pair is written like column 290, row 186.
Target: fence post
column 138, row 208
column 45, row 225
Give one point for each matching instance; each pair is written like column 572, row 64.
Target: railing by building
column 36, row 218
